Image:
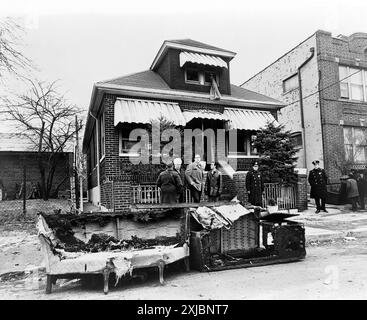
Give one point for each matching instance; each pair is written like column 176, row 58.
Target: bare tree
column 47, row 120
column 12, row 59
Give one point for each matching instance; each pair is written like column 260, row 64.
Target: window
column 355, row 144
column 356, row 84
column 244, row 144
column 290, row 83
column 125, row 143
column 343, row 74
column 192, row 75
column 353, row 83
column 253, row 151
column 102, row 136
column 200, row 77
column 296, row 139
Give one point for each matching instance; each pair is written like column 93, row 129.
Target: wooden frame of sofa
column 49, row 254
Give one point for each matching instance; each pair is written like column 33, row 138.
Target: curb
column 356, row 233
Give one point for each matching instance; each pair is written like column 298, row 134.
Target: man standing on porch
column 213, row 184
column 177, row 166
column 194, row 178
column 170, row 183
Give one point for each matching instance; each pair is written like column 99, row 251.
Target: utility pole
column 24, row 188
column 79, row 166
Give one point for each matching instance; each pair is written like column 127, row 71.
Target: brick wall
column 302, row 192
column 332, row 52
column 11, row 171
column 270, row 80
column 119, row 169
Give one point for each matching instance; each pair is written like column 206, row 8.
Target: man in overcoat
column 194, row 178
column 170, row 183
column 213, row 184
column 318, row 180
column 255, row 185
column 177, row 166
column 362, row 189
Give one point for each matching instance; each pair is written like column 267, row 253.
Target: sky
column 82, row 42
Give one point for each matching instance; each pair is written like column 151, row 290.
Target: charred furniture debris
column 207, row 236
column 254, row 238
column 104, row 243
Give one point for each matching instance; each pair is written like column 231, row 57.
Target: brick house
column 323, row 83
column 16, row 151
column 180, row 85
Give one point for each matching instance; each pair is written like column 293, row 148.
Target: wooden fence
column 284, row 196
column 152, row 194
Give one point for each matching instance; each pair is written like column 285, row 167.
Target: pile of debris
column 62, row 225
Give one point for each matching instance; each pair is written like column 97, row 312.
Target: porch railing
column 284, row 196
column 152, row 194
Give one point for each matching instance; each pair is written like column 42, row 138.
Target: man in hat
column 170, row 183
column 254, row 185
column 317, row 179
column 194, row 177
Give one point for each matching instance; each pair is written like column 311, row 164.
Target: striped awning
column 204, row 114
column 248, row 119
column 201, row 59
column 144, row 111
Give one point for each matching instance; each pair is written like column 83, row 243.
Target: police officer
column 254, row 185
column 318, row 180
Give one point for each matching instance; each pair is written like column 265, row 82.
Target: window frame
column 201, row 76
column 249, row 149
column 353, row 145
column 294, row 136
column 349, row 83
column 192, row 81
column 121, row 139
column 295, row 75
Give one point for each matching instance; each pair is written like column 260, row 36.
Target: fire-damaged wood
column 210, row 250
column 128, row 243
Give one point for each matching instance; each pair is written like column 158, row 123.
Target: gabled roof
column 192, row 46
column 193, row 43
column 151, row 80
column 143, row 79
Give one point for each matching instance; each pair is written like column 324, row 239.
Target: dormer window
column 192, row 75
column 200, row 77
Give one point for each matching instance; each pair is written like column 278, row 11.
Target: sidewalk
column 339, row 223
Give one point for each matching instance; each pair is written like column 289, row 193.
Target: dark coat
column 318, row 180
column 255, row 185
column 213, row 184
column 362, row 186
column 171, row 185
column 352, row 188
column 194, row 176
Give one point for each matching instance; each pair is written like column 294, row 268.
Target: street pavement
column 338, row 223
column 20, row 250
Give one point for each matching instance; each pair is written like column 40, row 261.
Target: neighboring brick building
column 16, row 151
column 334, row 112
column 179, row 85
